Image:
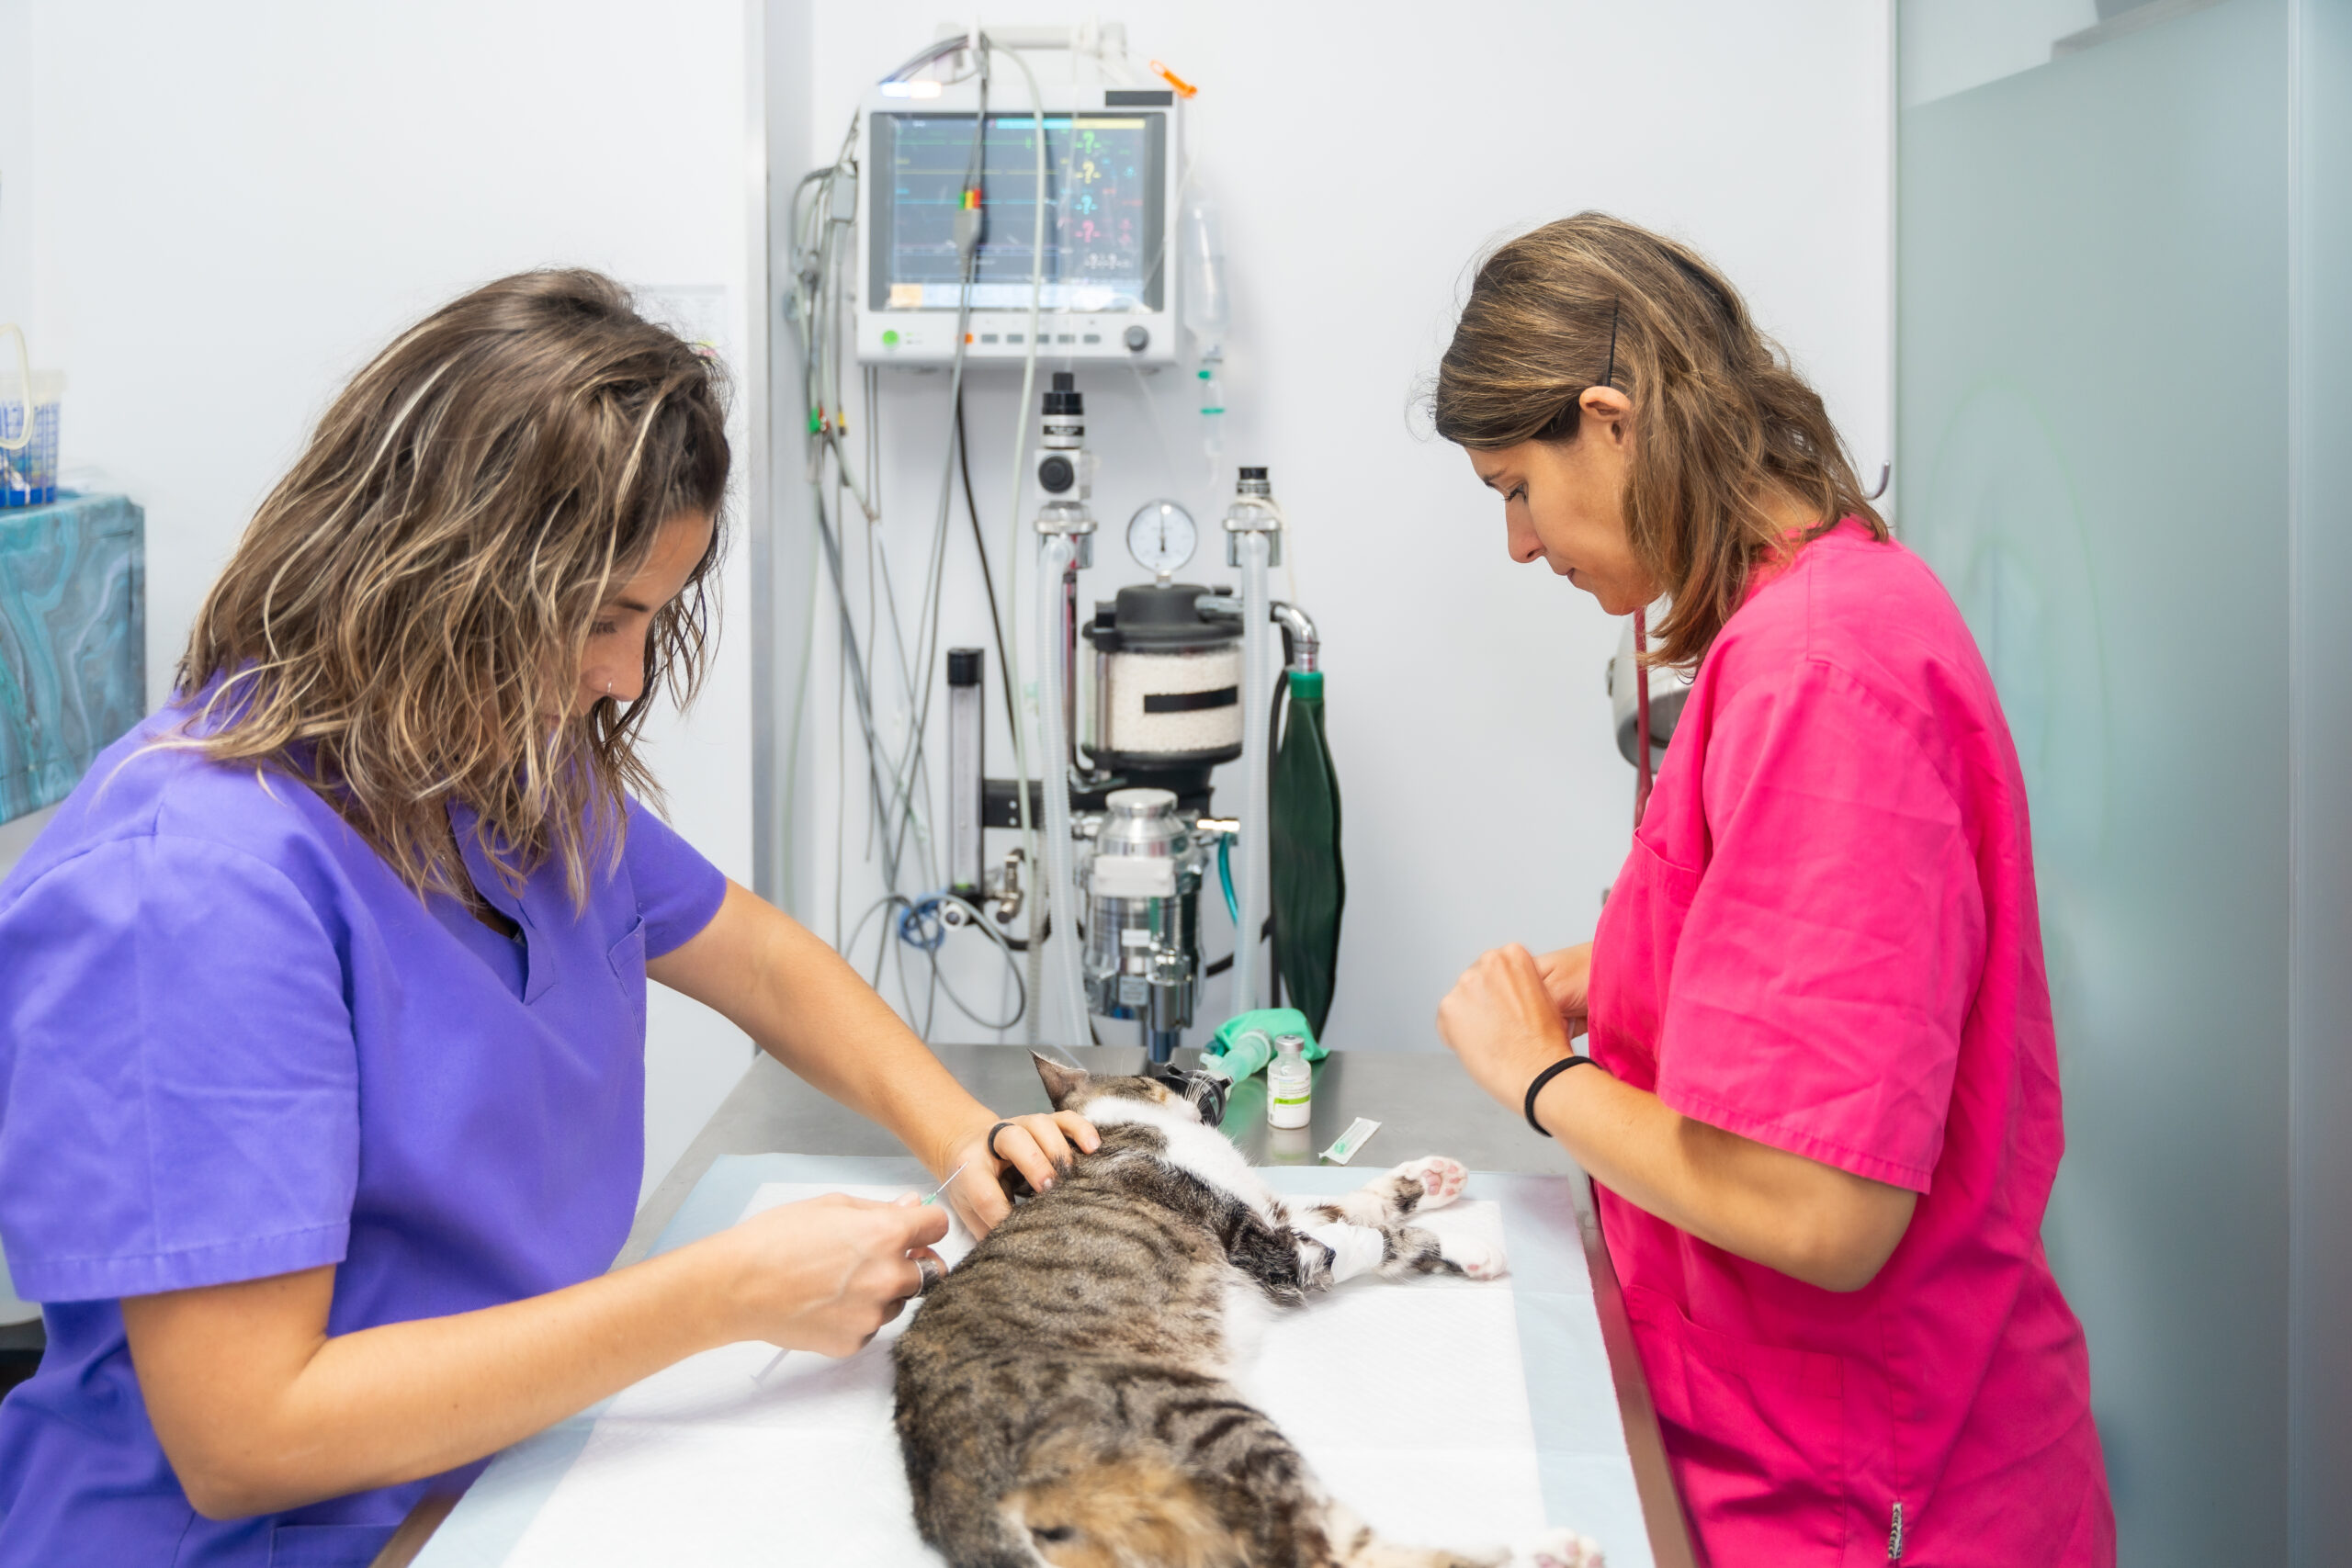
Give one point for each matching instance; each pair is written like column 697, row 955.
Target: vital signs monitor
column 1109, row 282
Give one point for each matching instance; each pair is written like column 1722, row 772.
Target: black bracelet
column 1547, row 1076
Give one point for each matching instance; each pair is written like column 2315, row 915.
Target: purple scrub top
column 233, row 1044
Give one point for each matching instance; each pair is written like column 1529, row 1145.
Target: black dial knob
column 1138, row 339
column 1056, row 475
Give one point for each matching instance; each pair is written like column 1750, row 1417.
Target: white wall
column 210, row 215
column 1363, row 159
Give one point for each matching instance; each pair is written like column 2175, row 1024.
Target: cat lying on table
column 1064, row 1395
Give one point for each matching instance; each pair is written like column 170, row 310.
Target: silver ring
column 931, row 1272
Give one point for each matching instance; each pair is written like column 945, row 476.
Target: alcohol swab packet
column 1343, row 1148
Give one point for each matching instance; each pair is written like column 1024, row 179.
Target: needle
column 946, row 1184
column 936, row 1192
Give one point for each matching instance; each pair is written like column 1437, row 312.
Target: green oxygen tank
column 1310, row 885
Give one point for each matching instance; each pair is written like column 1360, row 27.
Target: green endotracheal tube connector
column 1242, row 1054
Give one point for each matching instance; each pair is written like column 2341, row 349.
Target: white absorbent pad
column 1443, row 1411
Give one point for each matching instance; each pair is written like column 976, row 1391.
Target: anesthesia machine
column 1031, row 229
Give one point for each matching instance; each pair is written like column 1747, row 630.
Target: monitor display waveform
column 1106, row 205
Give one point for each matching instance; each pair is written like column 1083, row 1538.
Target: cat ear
column 1060, row 1082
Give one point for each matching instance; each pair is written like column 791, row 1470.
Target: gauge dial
column 1162, row 537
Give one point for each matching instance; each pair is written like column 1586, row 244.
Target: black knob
column 1064, row 398
column 1056, row 475
column 1138, row 339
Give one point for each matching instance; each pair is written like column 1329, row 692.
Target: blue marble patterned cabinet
column 72, row 641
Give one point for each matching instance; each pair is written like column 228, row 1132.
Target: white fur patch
column 1355, row 1249
column 1193, row 1145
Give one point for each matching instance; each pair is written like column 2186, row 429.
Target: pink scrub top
column 1826, row 939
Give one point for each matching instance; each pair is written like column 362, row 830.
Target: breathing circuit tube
column 1061, row 889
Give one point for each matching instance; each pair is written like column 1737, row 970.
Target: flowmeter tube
column 1055, row 565
column 964, row 747
column 1257, row 693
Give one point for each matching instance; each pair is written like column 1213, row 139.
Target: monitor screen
column 1105, row 206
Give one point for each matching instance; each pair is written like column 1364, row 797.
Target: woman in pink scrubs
column 1821, row 1103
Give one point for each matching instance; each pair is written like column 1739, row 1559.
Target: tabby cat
column 1063, row 1395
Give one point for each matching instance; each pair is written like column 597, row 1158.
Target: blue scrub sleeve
column 677, row 890
column 181, row 1092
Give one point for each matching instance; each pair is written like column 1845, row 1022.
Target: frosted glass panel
column 2320, row 1093
column 2093, row 453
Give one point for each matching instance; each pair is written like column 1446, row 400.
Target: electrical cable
column 909, row 632
column 988, row 577
column 921, row 928
column 1036, row 947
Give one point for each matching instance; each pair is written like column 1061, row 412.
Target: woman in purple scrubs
column 322, row 1010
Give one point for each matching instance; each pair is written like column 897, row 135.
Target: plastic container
column 28, row 474
column 1207, row 308
column 1290, row 1084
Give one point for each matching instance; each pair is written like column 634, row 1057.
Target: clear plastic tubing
column 1257, row 694
column 1061, row 886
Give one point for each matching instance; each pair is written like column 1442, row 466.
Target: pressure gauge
column 1162, row 537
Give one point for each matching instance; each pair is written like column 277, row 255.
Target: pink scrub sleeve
column 1834, row 944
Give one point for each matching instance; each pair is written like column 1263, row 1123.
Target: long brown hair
column 1720, row 418
column 402, row 624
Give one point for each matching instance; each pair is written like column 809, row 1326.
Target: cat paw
column 1556, row 1548
column 1441, row 1180
column 1477, row 1259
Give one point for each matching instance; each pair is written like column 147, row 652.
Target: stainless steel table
column 1424, row 1103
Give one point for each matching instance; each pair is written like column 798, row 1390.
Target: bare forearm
column 834, row 1031
column 407, row 1399
column 1808, row 1220
column 803, row 1005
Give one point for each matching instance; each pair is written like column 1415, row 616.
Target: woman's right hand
column 1568, row 975
column 825, row 1274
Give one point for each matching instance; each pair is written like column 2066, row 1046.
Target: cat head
column 1073, row 1089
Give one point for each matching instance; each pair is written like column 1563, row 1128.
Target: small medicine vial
column 1290, row 1084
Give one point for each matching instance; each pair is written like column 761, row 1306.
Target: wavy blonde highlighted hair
column 1721, row 419
column 403, row 623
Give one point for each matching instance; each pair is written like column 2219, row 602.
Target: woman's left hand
column 1501, row 1020
column 1039, row 1146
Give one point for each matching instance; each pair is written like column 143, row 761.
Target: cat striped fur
column 1065, row 1395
